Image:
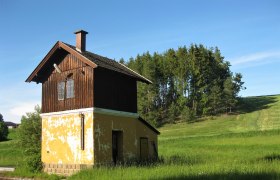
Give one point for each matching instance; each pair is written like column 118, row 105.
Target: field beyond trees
column 241, row 146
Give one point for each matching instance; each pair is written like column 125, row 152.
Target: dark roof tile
column 110, row 64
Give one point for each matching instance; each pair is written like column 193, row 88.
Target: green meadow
column 244, row 145
column 10, row 154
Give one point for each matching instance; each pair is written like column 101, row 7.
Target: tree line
column 187, row 83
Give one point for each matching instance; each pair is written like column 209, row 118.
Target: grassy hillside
column 254, row 114
column 241, row 146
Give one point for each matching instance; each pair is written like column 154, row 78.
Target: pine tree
column 187, row 83
column 229, row 95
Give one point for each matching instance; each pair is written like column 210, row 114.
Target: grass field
column 241, row 146
column 10, row 155
column 252, row 155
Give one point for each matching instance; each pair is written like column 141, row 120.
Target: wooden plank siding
column 114, row 90
column 83, row 85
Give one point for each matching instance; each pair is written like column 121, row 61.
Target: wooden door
column 117, row 146
column 144, row 148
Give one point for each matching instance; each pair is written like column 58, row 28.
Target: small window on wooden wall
column 61, row 90
column 65, row 89
column 70, row 93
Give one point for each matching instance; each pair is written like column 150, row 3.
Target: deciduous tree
column 3, row 129
column 30, row 138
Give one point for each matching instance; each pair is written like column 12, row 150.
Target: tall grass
column 250, row 155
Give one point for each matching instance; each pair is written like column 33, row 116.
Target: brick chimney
column 81, row 40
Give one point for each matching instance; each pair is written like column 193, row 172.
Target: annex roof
column 148, row 124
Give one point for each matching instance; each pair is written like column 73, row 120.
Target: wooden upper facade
column 71, row 68
column 73, row 78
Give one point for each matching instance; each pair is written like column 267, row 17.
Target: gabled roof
column 90, row 59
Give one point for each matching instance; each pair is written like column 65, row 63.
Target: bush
column 29, row 133
column 3, row 129
column 34, row 163
column 187, row 114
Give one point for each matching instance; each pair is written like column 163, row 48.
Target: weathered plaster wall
column 132, row 130
column 61, row 139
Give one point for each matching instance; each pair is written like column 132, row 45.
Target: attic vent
column 81, row 40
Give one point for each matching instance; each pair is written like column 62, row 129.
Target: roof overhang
column 141, row 78
column 58, row 45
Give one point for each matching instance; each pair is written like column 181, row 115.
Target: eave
column 58, row 45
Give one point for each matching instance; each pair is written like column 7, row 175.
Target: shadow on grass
column 232, row 175
column 6, row 140
column 181, row 160
column 172, row 160
column 251, row 104
column 273, row 157
column 244, row 105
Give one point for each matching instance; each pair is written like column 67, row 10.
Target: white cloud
column 23, row 108
column 17, row 99
column 259, row 57
column 14, row 112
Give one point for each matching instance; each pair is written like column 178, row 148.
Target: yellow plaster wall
column 132, row 130
column 61, row 139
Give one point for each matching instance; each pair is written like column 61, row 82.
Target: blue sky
column 246, row 32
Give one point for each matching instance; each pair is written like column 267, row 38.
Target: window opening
column 61, row 90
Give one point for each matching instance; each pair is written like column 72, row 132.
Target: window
column 70, row 88
column 70, row 93
column 61, row 90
